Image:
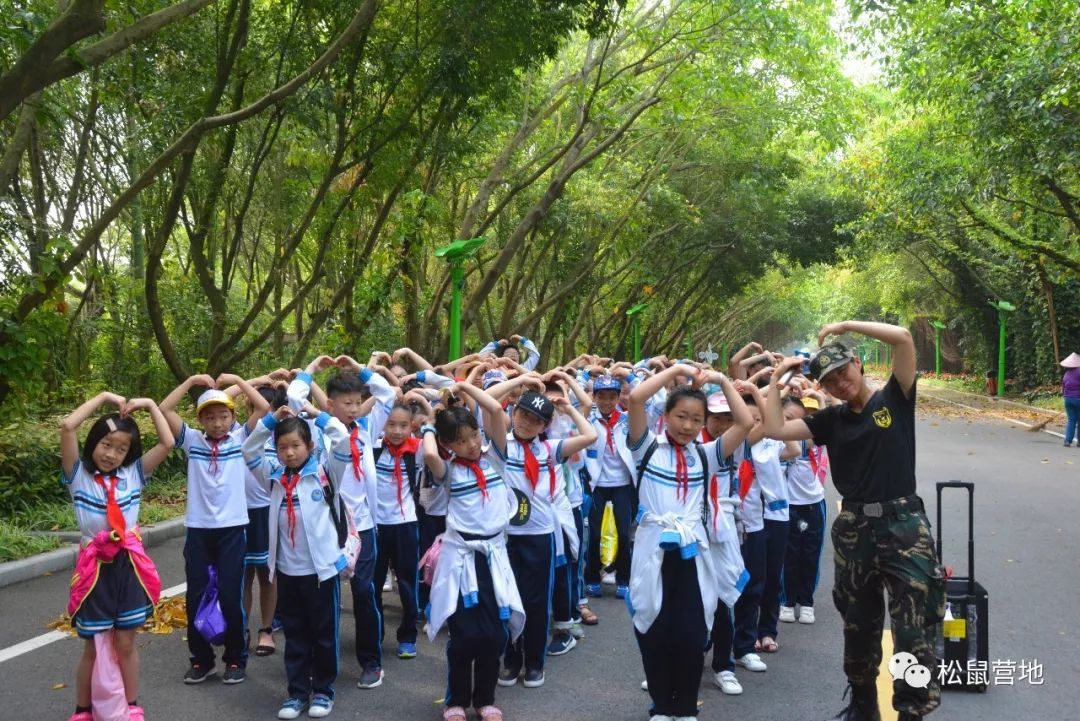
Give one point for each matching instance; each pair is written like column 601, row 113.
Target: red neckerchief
column 355, row 452
column 714, row 499
column 474, row 466
column 746, row 473
column 705, row 437
column 289, row 484
column 214, row 443
column 408, row 446
column 113, row 513
column 610, row 424
column 682, row 471
column 532, row 466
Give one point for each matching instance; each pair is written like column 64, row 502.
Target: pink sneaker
column 135, row 713
column 490, row 713
column 82, row 716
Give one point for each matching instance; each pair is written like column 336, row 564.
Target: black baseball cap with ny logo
column 537, row 404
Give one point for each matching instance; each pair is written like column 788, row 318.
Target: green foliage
column 16, row 543
column 30, row 487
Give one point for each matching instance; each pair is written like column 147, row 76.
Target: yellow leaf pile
column 169, row 615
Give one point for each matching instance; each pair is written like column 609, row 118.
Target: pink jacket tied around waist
column 103, row 549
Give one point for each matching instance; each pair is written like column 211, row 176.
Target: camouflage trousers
column 894, row 553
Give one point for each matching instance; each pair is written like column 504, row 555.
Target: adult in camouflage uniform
column 881, row 538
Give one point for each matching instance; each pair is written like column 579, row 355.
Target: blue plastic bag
column 209, row 620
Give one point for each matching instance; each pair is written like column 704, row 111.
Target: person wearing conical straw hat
column 1070, row 389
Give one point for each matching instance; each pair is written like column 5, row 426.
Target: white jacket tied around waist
column 658, row 534
column 455, row 576
column 726, row 552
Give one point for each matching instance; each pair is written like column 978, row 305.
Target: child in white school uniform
column 216, row 515
column 673, row 584
column 353, row 462
column 474, row 591
column 724, row 542
column 532, row 471
column 115, row 584
column 305, row 554
column 764, row 513
column 567, row 604
column 611, row 467
column 806, row 536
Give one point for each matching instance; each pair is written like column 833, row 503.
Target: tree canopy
column 218, row 185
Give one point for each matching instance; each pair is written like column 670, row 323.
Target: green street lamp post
column 456, row 253
column 635, row 318
column 1003, row 307
column 938, row 327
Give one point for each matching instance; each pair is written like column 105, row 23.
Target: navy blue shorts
column 258, row 537
column 117, row 600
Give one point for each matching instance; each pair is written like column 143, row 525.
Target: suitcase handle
column 970, row 488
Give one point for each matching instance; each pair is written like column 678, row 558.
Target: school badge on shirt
column 882, row 418
column 523, row 509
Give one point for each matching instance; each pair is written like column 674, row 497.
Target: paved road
column 1028, row 542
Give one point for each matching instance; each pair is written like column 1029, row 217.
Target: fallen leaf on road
column 58, row 686
column 169, row 615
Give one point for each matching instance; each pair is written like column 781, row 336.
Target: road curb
column 63, row 559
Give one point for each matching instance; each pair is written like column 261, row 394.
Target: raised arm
column 168, row 406
column 639, row 416
column 740, row 414
column 494, row 417
column 432, row 459
column 418, row 361
column 532, row 353
column 772, row 414
column 586, row 432
column 585, row 401
column 152, row 458
column 69, row 439
column 735, row 370
column 259, row 405
column 903, row 354
column 499, row 390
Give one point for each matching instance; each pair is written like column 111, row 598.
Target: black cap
column 828, row 358
column 537, row 404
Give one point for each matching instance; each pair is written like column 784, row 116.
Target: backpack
column 348, row 538
column 410, row 472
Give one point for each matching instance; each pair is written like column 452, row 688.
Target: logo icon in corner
column 883, row 418
column 905, row 666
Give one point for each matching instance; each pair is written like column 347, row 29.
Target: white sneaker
column 645, row 685
column 608, row 579
column 806, row 614
column 751, row 662
column 661, row 717
column 787, row 614
column 728, row 683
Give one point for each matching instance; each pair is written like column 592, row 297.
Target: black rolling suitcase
column 963, row 643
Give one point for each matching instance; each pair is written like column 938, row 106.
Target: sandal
column 587, row 616
column 769, row 645
column 265, row 649
column 453, row 713
column 490, row 713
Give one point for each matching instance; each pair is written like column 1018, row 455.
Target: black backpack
column 410, row 472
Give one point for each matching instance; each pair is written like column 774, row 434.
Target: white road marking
column 46, row 638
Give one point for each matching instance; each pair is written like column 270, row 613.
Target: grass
column 163, row 499
column 15, row 543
